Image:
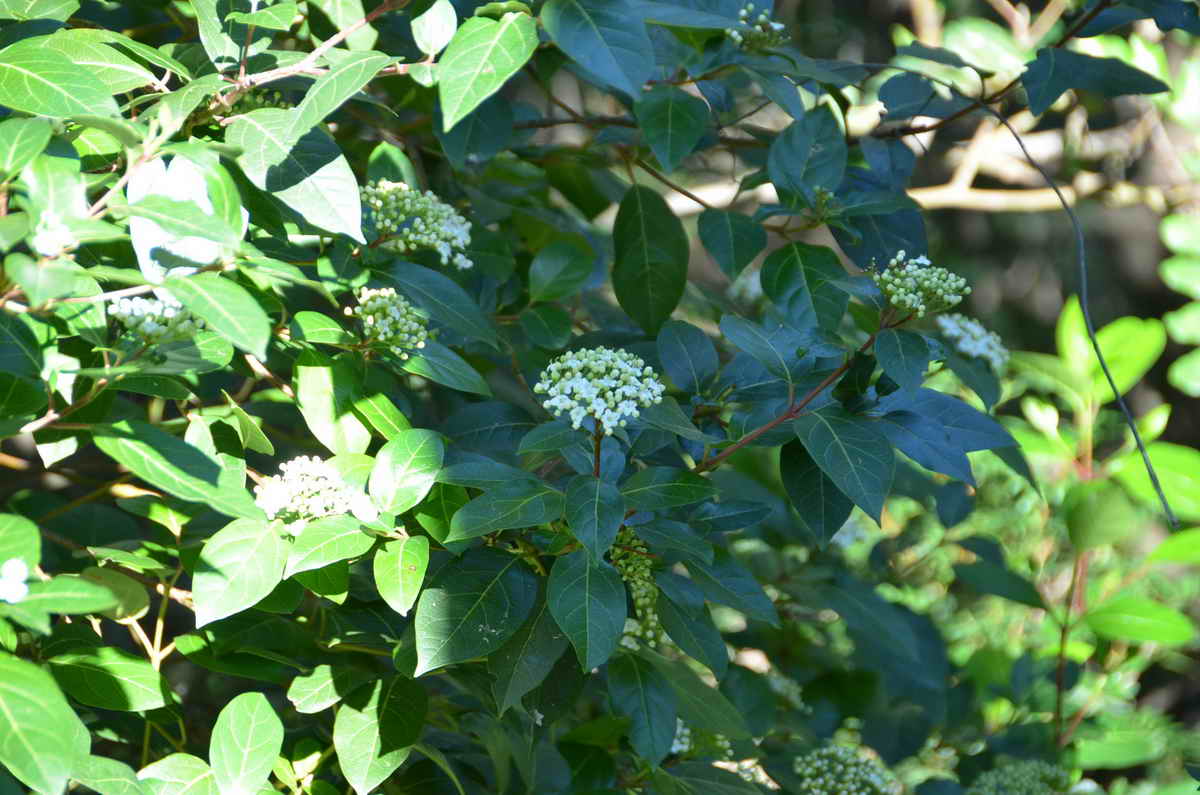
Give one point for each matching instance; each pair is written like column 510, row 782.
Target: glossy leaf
column 481, row 57
column 687, row 355
column 527, row 658
column 595, row 512
column 559, row 270
column 658, row 488
column 1057, row 70
column 246, row 739
column 672, row 121
column 43, row 740
column 43, row 82
column 444, row 300
column 1140, row 620
column 650, row 269
column 399, row 568
column 238, row 566
column 605, row 37
column 639, row 692
column 820, row 506
column 802, row 280
column 227, row 308
column 513, row 505
column 852, row 453
column 375, row 729
column 325, row 541
column 732, row 239
column 405, row 469
column 181, row 774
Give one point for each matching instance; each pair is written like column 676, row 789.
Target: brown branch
column 174, row 594
column 644, row 166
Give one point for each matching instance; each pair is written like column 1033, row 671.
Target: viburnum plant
column 379, row 455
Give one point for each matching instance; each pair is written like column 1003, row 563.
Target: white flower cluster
column 631, row 558
column 407, row 219
column 971, row 339
column 309, row 488
column 155, row 319
column 758, row 32
column 1023, row 778
column 683, row 738
column 13, row 575
column 390, row 320
column 916, row 287
column 837, row 770
column 605, row 384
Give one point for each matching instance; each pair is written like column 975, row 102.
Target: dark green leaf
column 606, row 37
column 547, row 326
column 443, row 366
column 587, row 600
column 527, row 658
column 732, row 239
column 809, row 156
column 903, row 355
column 1057, row 70
column 595, row 511
column 692, row 628
column 642, row 694
column 672, row 121
column 520, row 504
column 802, row 280
column 687, row 355
column 658, row 488
column 444, row 300
column 700, row 706
column 472, row 608
column 986, row 577
column 779, row 349
column 20, row 352
column 926, row 442
column 324, row 687
column 559, row 270
column 21, row 140
column 853, row 453
column 666, row 415
column 650, row 269
column 820, row 505
column 727, row 582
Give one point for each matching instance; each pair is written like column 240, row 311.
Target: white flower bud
column 971, row 339
column 837, row 770
column 916, row 287
column 155, row 320
column 390, row 320
column 607, row 385
column 308, row 488
column 409, row 220
column 1023, row 778
column 13, row 574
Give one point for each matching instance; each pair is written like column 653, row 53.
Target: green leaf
column 1131, row 346
column 702, row 778
column 559, row 270
column 111, row 678
column 43, row 82
column 691, row 627
column 1178, row 469
column 1056, row 70
column 809, row 156
column 238, row 566
column 246, row 738
column 527, row 658
column 642, row 694
column 444, row 300
column 226, row 307
column 173, row 465
column 700, row 706
column 606, row 37
column 19, row 538
column 727, row 582
column 595, row 511
column 547, row 326
column 325, row 541
column 185, row 219
column 324, row 687
column 651, row 260
column 1140, row 620
column 331, row 90
column 341, row 14
column 399, row 568
column 1182, row 546
column 587, row 600
column 310, row 175
column 278, row 16
column 987, row 577
column 224, row 38
column 434, row 28
column 42, row 279
column 375, row 729
column 21, row 140
column 903, row 355
column 732, row 239
column 324, row 395
column 179, row 774
column 855, row 455
column 118, row 73
column 107, row 776
column 659, row 488
column 203, row 353
column 69, row 594
column 481, row 57
column 1098, row 513
column 802, row 280
column 780, row 349
column 443, row 366
column 20, row 352
column 318, row 328
column 406, row 469
column 821, row 507
column 520, row 504
column 24, row 10
column 687, row 355
column 43, row 741
column 472, row 608
column 672, row 121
